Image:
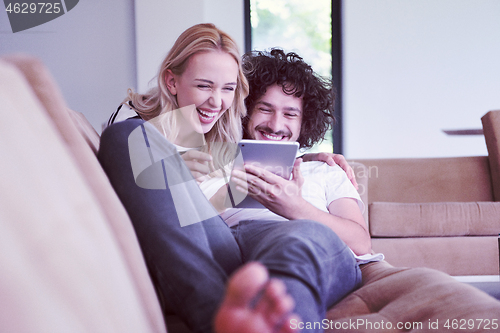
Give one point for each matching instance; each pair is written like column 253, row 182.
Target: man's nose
column 276, row 122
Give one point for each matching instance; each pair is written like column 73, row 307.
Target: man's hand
column 284, row 198
column 198, row 163
column 277, row 194
column 333, row 159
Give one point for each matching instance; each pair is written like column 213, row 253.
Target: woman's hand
column 333, row 159
column 277, row 194
column 198, row 164
column 219, row 198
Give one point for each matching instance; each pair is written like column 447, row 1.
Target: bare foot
column 255, row 304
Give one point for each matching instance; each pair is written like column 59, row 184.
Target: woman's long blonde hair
column 228, row 129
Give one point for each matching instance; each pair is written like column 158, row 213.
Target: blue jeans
column 189, row 263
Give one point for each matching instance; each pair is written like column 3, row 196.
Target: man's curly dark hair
column 297, row 78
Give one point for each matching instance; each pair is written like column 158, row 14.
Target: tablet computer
column 275, row 156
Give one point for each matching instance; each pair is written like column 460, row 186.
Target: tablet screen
column 275, row 156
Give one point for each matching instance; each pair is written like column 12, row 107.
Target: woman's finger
column 194, row 154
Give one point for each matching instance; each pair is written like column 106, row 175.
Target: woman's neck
column 190, row 139
column 188, row 136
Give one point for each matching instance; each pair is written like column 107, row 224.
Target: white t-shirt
column 322, row 185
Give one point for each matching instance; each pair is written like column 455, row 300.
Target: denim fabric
column 313, row 262
column 190, row 263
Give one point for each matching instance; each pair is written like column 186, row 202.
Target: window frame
column 336, row 64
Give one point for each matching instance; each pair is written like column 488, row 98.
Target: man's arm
column 284, row 197
column 333, row 159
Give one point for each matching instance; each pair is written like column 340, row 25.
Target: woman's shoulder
column 123, row 112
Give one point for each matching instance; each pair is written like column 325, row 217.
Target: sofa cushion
column 412, row 298
column 82, row 141
column 452, row 255
column 61, row 269
column 389, row 219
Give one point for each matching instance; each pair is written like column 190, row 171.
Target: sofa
column 70, row 260
column 441, row 213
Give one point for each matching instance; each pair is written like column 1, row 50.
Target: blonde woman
column 190, row 251
column 199, row 98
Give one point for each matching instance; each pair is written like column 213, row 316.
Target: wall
column 159, row 23
column 90, row 51
column 96, row 51
column 413, row 68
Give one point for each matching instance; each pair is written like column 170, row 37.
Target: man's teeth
column 271, row 137
column 207, row 114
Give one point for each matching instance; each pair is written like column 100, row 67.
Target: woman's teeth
column 207, row 115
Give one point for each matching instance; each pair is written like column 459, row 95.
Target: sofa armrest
column 436, row 219
column 491, row 129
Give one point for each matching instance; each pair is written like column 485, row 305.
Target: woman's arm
column 198, row 163
column 219, row 198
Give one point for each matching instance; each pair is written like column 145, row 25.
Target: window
column 304, row 27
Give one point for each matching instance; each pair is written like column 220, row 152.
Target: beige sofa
column 69, row 258
column 442, row 213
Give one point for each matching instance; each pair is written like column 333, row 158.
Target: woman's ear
column 171, row 81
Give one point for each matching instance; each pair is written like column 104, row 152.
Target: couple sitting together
column 236, row 269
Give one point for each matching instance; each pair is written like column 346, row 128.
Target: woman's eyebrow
column 204, row 80
column 211, row 82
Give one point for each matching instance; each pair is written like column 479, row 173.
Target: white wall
column 159, row 23
column 96, row 53
column 413, row 68
column 90, row 51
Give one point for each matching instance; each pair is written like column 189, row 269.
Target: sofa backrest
column 74, row 245
column 86, row 130
column 408, row 180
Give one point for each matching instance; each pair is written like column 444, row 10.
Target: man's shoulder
column 316, row 167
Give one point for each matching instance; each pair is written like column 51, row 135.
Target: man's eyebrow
column 269, row 105
column 290, row 108
column 211, row 82
column 286, row 108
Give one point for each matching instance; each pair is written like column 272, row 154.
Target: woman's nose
column 215, row 99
